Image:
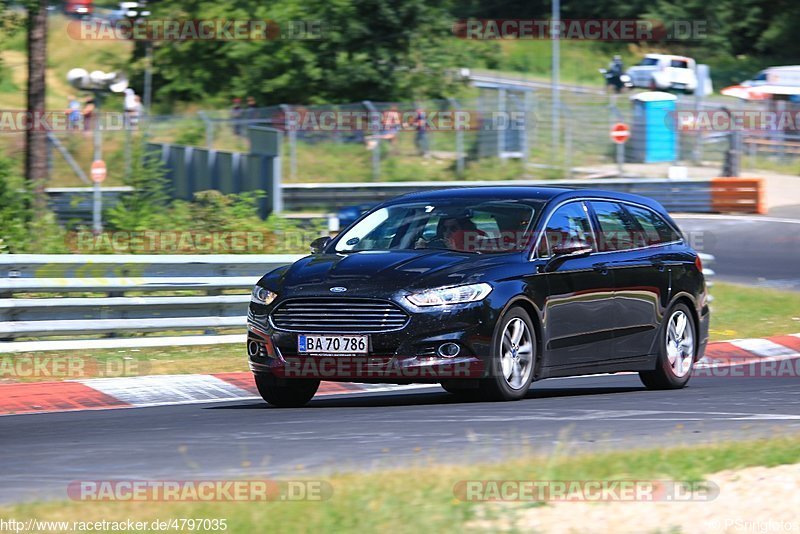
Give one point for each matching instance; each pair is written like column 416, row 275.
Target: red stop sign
column 620, row 133
column 98, row 170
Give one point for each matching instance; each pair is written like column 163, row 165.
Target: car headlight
column 450, row 295
column 262, row 296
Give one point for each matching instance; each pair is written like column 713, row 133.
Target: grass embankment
column 741, row 311
column 422, row 499
column 737, row 312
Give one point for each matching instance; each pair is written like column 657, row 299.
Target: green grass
column 421, row 498
column 741, row 311
column 127, row 362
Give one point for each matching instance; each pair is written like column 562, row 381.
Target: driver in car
column 453, row 233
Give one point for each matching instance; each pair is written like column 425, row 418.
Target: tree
column 368, row 49
column 35, row 139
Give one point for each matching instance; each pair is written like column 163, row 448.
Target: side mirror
column 561, row 253
column 319, row 244
column 574, row 249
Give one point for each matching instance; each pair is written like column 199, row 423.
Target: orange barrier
column 737, row 195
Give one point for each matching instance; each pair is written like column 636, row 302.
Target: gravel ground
column 751, row 500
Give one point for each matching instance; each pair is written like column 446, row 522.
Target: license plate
column 319, row 344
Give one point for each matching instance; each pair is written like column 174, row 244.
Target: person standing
column 421, row 137
column 251, row 113
column 129, row 104
column 88, row 114
column 136, row 111
column 74, row 113
column 391, row 124
column 236, row 116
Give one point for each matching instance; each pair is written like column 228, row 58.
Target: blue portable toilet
column 653, row 136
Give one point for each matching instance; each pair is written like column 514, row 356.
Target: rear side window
column 654, row 229
column 617, row 229
column 679, row 64
column 568, row 225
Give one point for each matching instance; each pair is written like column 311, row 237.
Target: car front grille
column 313, row 315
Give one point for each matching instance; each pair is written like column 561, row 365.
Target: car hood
column 381, row 273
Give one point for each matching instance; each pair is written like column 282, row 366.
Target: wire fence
column 497, row 134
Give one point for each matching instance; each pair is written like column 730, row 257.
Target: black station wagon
column 484, row 290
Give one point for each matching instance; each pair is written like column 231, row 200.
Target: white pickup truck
column 663, row 71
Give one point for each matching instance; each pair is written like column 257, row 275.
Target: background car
column 662, row 72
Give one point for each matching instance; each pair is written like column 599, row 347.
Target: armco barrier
column 69, row 295
column 683, row 195
column 737, row 195
column 44, row 296
column 72, row 204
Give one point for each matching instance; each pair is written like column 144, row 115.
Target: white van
column 663, row 71
column 788, row 76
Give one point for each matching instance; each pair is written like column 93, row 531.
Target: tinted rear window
column 654, row 230
column 617, row 229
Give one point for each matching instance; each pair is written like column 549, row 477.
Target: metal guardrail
column 69, row 305
column 76, row 295
column 679, row 195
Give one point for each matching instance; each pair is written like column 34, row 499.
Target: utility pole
column 555, row 28
column 35, row 139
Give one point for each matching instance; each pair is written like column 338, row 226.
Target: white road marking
column 174, row 389
column 764, row 348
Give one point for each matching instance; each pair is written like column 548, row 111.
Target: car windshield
column 472, row 226
column 649, row 62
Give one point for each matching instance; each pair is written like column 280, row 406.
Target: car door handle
column 602, row 268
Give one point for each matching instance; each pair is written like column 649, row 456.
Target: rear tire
column 677, row 350
column 286, row 393
column 513, row 358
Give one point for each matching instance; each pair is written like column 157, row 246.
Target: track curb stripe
column 161, row 390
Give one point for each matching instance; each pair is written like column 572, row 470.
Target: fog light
column 449, row 350
column 253, row 349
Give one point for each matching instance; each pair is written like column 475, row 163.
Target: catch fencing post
column 459, row 141
column 375, row 126
column 291, row 135
column 209, row 129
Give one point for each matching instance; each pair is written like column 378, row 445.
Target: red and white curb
column 164, row 390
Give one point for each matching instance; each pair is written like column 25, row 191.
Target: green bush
column 23, row 228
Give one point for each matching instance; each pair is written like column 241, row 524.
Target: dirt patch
column 751, row 500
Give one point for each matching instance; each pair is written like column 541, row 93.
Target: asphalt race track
column 41, row 454
column 753, row 250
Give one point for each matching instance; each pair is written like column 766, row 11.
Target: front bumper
column 403, row 356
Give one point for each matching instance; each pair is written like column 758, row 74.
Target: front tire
column 513, row 358
column 286, row 393
column 677, row 350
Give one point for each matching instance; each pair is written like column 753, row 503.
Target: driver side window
column 568, row 225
